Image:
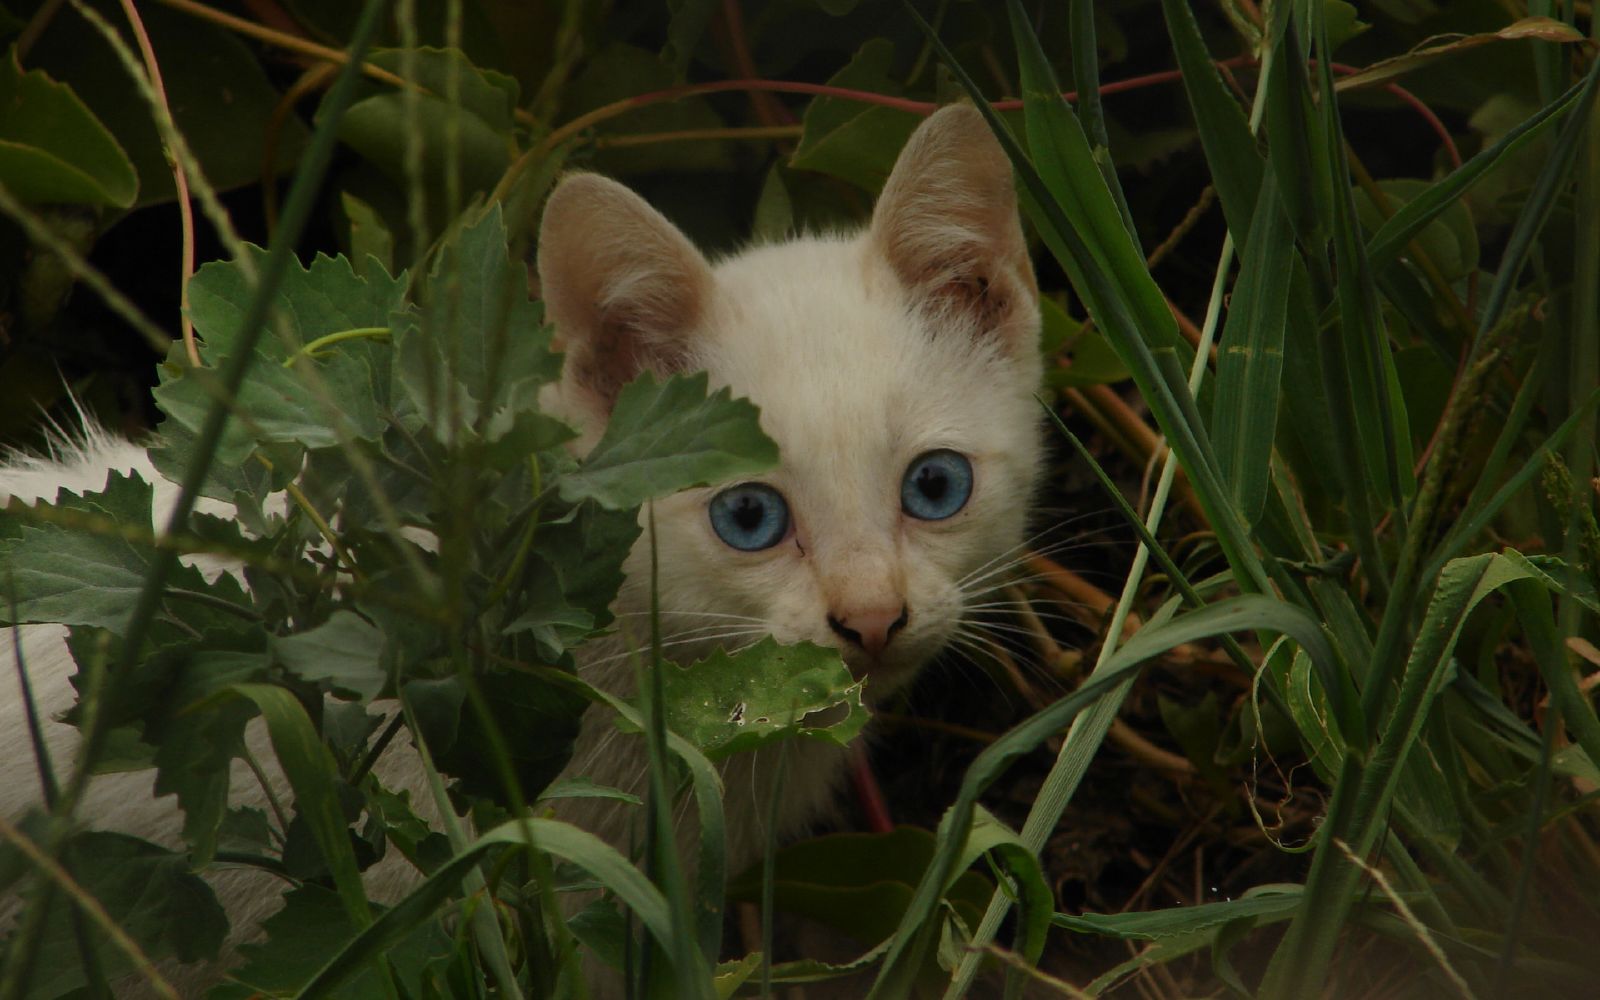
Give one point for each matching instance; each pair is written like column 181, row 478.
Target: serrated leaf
column 728, row 703
column 83, row 560
column 53, row 148
column 311, row 928
column 146, row 890
column 195, row 739
column 471, row 358
column 277, row 402
column 665, row 437
column 344, row 651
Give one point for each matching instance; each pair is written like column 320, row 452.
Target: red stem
column 874, row 809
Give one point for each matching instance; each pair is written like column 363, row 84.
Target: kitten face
column 894, row 368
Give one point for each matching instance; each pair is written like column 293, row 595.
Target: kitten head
column 894, row 367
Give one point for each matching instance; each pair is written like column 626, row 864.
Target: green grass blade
column 1547, row 188
column 1247, row 613
column 1250, row 365
column 1112, row 297
column 309, row 768
column 1299, row 966
column 562, row 840
column 1236, row 164
column 1539, row 625
column 1387, row 448
column 1086, row 81
column 1070, row 171
column 1391, row 238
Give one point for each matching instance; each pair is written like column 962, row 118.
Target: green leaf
column 83, row 560
column 615, row 72
column 688, row 23
column 726, row 704
column 858, row 883
column 537, row 721
column 1250, row 362
column 471, row 360
column 146, row 890
column 1263, row 902
column 1450, row 240
column 562, row 840
column 312, row 928
column 53, row 148
column 381, row 122
column 1236, row 164
column 345, row 651
column 311, row 771
column 196, row 740
column 279, row 402
column 665, row 437
column 217, row 88
column 851, row 140
column 1437, row 197
column 1091, row 360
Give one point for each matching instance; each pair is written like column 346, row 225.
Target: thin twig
column 180, row 181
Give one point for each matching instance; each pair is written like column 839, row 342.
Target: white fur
column 860, row 359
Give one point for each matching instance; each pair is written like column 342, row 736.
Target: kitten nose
column 871, row 628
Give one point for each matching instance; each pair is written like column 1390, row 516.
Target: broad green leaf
column 537, row 721
column 668, row 436
column 195, row 739
column 381, row 122
column 726, row 704
column 853, row 141
column 1424, row 205
column 281, row 402
column 343, row 651
column 1236, row 165
column 311, row 928
column 82, row 561
column 216, row 84
column 586, row 547
column 1450, row 240
column 470, row 361
column 146, row 890
column 53, row 148
column 614, row 72
column 366, row 236
column 1090, row 358
column 688, row 23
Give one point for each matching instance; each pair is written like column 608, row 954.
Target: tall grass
column 1354, row 561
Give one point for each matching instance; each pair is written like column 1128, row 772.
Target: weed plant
column 1384, row 426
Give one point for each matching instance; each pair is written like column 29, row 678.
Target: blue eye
column 937, row 484
column 750, row 516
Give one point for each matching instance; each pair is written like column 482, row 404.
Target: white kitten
column 894, row 367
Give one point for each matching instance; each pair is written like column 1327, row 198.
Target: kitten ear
column 622, row 285
column 947, row 223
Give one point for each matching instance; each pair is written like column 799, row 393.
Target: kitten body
column 864, row 352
